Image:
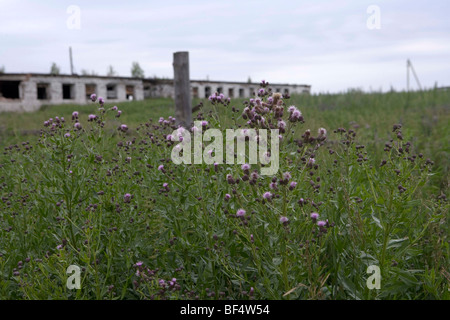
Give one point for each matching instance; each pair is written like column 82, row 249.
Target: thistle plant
column 110, row 200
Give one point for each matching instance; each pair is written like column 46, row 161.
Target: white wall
column 28, row 90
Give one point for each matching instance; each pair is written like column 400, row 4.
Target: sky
column 331, row 45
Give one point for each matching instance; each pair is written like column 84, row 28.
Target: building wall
column 162, row 89
column 240, row 90
column 28, row 90
column 143, row 89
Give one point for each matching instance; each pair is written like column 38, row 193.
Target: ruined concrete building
column 28, row 92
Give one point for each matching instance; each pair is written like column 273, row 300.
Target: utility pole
column 410, row 66
column 407, row 75
column 71, row 61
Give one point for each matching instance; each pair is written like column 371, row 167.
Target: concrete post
column 182, row 86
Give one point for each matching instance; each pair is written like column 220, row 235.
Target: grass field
column 140, row 227
column 425, row 117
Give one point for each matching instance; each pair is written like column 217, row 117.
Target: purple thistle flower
column 101, row 101
column 240, row 213
column 127, row 198
column 92, row 117
column 114, row 108
column 284, row 220
column 273, row 186
column 93, row 97
column 245, row 167
column 322, row 133
column 67, row 135
column 267, row 195
column 123, row 127
column 321, row 223
column 161, row 168
column 139, row 263
column 292, row 185
column 287, row 175
column 296, row 115
column 77, row 125
column 314, row 216
column 227, row 197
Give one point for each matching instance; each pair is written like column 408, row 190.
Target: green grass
column 424, row 115
column 134, row 113
column 64, row 201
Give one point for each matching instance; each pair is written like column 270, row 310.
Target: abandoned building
column 28, row 92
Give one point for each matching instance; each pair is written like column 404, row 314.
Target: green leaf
column 377, row 221
column 396, row 243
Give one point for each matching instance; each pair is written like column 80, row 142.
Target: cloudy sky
column 331, row 45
